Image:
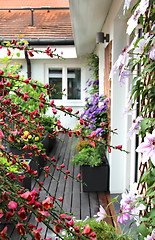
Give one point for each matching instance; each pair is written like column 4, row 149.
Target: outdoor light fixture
column 100, row 37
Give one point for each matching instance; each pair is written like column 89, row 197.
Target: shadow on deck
column 81, row 204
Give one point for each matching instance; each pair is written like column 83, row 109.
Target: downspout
column 28, row 64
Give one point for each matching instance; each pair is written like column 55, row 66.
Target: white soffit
column 88, row 18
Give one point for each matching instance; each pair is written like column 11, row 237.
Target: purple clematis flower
column 148, row 147
column 102, row 214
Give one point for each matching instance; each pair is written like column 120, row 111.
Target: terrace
column 81, row 204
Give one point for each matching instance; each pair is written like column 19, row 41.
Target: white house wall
column 120, row 166
column 38, row 72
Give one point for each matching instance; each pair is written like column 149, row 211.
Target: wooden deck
column 81, row 204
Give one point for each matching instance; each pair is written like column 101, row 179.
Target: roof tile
column 54, row 24
column 33, row 3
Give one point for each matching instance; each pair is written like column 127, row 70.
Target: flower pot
column 45, row 143
column 26, row 183
column 52, row 142
column 96, row 178
column 36, row 161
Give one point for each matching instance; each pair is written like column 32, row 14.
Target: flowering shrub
column 96, row 115
column 22, row 127
column 99, row 230
column 140, row 54
column 83, row 144
column 93, row 82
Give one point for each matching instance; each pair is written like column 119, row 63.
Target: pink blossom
column 124, row 215
column 135, row 127
column 133, row 20
column 148, row 147
column 142, row 43
column 101, row 214
column 152, row 237
column 152, row 53
column 126, row 5
column 1, row 134
column 12, row 205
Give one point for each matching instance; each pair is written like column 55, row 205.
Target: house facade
column 88, row 18
column 46, row 23
column 71, row 28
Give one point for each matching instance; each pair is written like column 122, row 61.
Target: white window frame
column 64, row 101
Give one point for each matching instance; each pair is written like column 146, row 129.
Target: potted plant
column 94, row 167
column 16, row 147
column 18, row 170
column 94, row 229
column 49, row 123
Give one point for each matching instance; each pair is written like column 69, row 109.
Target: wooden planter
column 96, row 178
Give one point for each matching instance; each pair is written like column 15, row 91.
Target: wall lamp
column 100, row 38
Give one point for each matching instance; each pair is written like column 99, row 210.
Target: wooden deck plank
column 85, row 207
column 94, row 203
column 76, row 202
column 103, row 201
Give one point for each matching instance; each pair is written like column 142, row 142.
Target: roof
column 33, row 3
column 47, row 24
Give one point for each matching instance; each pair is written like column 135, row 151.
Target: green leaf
column 151, row 194
column 114, row 199
column 18, row 54
column 144, row 124
column 140, row 238
column 143, row 229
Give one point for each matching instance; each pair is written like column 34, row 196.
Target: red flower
column 21, row 230
column 79, row 176
column 54, row 110
column 60, row 199
column 12, row 205
column 119, row 147
column 47, row 203
column 8, row 52
column 37, row 234
column 69, row 109
column 22, row 214
column 109, row 149
column 31, row 53
column 87, row 230
column 25, row 97
column 3, row 234
column 52, row 103
column 41, row 105
column 71, row 223
column 62, row 165
column 8, row 83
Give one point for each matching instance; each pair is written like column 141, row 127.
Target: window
column 68, row 78
column 55, row 80
column 73, row 83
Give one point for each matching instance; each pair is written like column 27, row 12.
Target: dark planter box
column 26, row 183
column 45, row 143
column 52, row 142
column 96, row 178
column 35, row 162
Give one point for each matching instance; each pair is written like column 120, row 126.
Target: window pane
column 74, row 83
column 55, row 78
